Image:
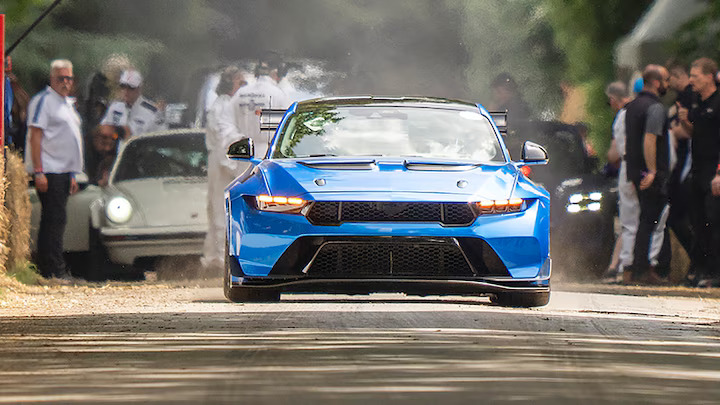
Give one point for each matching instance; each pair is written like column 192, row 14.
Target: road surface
column 178, row 344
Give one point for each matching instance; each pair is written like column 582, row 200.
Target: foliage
column 25, row 272
column 699, row 37
column 587, row 31
column 513, row 37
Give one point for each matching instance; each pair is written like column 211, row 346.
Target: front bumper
column 265, row 245
column 125, row 245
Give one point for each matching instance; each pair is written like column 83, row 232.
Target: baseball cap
column 131, row 78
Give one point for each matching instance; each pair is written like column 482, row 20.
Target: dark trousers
column 53, row 218
column 679, row 220
column 705, row 218
column 652, row 203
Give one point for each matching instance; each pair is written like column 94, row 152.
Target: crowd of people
column 66, row 138
column 668, row 158
column 669, row 173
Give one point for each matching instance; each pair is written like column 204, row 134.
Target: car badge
column 462, row 183
column 320, row 182
column 392, row 208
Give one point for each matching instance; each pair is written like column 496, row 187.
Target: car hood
column 380, row 178
column 166, row 201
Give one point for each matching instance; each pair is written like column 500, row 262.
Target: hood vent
column 339, row 164
column 440, row 167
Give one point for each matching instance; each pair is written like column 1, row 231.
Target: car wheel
column 524, row 300
column 98, row 263
column 246, row 294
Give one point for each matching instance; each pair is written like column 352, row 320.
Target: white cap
column 132, row 78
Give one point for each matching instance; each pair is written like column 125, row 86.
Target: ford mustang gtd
column 367, row 194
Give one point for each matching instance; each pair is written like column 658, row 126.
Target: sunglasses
column 126, row 86
column 65, row 78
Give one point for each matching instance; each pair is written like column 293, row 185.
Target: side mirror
column 242, row 149
column 534, row 154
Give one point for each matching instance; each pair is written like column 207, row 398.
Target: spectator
column 221, row 132
column 54, row 154
column 679, row 182
column 628, row 203
column 702, row 121
column 135, row 113
column 105, row 150
column 16, row 103
column 251, row 99
column 506, row 97
column 647, row 154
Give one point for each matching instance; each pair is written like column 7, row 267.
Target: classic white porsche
column 153, row 206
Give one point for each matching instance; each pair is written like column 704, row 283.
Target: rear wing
column 270, row 118
column 500, row 118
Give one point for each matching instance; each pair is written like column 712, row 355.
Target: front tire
column 523, row 300
column 245, row 294
column 98, row 261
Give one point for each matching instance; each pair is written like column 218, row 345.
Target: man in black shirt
column 679, row 182
column 647, row 157
column 703, row 122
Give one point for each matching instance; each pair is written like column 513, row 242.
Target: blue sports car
column 367, row 194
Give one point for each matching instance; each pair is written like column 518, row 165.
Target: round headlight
column 118, row 210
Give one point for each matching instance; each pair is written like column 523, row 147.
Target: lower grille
column 440, row 258
column 335, row 212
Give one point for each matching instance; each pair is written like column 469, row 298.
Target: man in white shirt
column 135, row 114
column 220, row 133
column 628, row 203
column 251, row 99
column 54, row 154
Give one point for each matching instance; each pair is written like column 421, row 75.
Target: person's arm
column 36, row 135
column 613, row 156
column 684, row 118
column 715, row 184
column 653, row 129
column 679, row 131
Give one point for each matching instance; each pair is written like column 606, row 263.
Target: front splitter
column 408, row 286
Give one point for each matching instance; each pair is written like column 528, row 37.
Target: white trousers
column 219, row 176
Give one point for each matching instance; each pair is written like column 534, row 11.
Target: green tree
column 587, row 31
column 513, row 37
column 699, row 37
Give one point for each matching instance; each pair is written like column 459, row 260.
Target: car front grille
column 438, row 258
column 336, row 212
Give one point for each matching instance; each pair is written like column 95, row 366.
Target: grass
column 26, row 273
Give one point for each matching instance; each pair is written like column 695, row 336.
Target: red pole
column 2, row 82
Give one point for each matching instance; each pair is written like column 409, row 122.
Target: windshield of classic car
column 177, row 155
column 389, row 131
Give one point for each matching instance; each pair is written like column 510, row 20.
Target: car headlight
column 287, row 205
column 500, row 206
column 118, row 210
column 584, row 202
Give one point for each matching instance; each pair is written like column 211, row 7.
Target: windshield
column 389, row 131
column 177, row 155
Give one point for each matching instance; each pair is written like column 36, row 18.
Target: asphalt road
column 187, row 345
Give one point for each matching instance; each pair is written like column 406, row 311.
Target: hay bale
column 4, row 219
column 19, row 210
